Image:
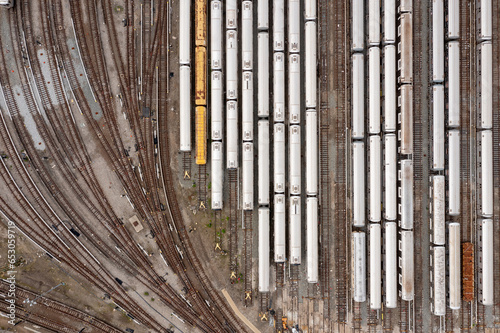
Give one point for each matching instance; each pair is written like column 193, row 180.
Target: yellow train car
column 200, row 19
column 201, row 134
column 200, row 73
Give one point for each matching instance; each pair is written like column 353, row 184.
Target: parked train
column 454, row 266
column 485, row 173
column 390, row 177
column 359, row 266
column 264, row 165
column 312, row 239
column 438, row 209
column 485, row 283
column 295, row 231
column 279, row 228
column 217, row 175
column 279, row 158
column 358, row 184
column 375, row 179
column 453, row 172
column 390, row 88
column 263, row 73
column 438, row 128
column 438, row 280
column 374, row 90
column 405, row 192
column 390, row 264
column 264, row 247
column 247, row 176
column 406, row 265
column 375, row 253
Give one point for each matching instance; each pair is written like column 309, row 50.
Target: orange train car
column 200, row 76
column 201, row 135
column 200, row 19
column 468, row 272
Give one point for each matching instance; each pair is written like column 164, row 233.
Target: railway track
column 356, row 317
column 233, row 222
column 186, row 165
column 496, row 156
column 372, row 320
column 341, row 84
column 202, row 186
column 247, row 256
column 387, row 320
column 59, row 309
column 278, row 304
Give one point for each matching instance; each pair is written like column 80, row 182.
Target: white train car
column 454, row 266
column 312, row 239
column 294, row 26
column 374, row 23
column 185, row 33
column 279, row 25
column 358, row 96
column 438, row 281
column 390, row 90
column 375, row 266
column 375, row 179
column 389, row 21
column 263, row 73
column 279, row 228
column 358, row 193
column 453, row 84
column 485, row 173
column 438, row 210
column 263, row 162
column 485, row 86
column 262, row 14
column 216, row 35
column 486, row 285
column 279, row 158
column 279, row 87
column 405, row 105
column 406, row 277
column 310, row 10
column 294, row 83
column 216, row 106
column 438, row 133
column 359, row 266
column 185, row 108
column 247, row 106
column 406, row 194
column 454, row 172
column 437, row 41
column 246, row 36
column 295, row 161
column 231, row 14
column 453, row 19
column 231, row 64
column 358, row 28
column 390, row 266
column 405, row 48
column 295, row 231
column 232, row 135
column 374, row 90
column 405, row 6
column 264, row 250
column 217, row 175
column 311, row 152
column 310, row 64
column 247, row 175
column 390, row 177
column 485, row 19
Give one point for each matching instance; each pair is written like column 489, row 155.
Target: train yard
column 254, row 166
